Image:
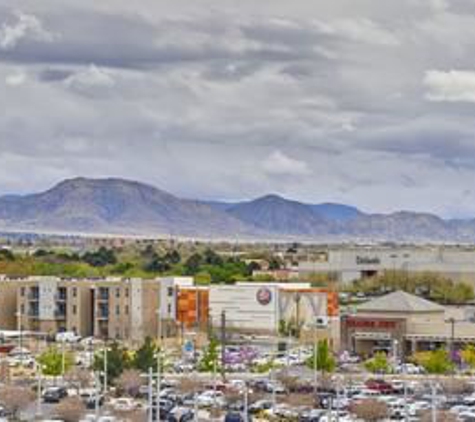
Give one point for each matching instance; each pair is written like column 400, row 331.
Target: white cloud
column 361, row 30
column 451, row 86
column 280, row 164
column 90, row 81
column 27, row 26
column 15, row 79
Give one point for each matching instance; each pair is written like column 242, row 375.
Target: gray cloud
column 366, row 102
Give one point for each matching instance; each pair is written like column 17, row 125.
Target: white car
column 67, row 337
column 124, row 404
column 210, row 398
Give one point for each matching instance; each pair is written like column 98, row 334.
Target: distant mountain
column 329, row 211
column 337, row 212
column 114, row 206
column 275, row 214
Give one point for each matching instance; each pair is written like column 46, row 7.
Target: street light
column 19, row 316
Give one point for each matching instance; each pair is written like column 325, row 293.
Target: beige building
column 8, row 304
column 112, row 308
column 405, row 323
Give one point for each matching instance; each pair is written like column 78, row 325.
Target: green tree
column 325, row 360
column 173, row 257
column 378, row 364
column 209, row 361
column 193, row 263
column 145, row 356
column 434, row 362
column 100, row 258
column 51, row 362
column 210, row 257
column 468, row 356
column 118, row 360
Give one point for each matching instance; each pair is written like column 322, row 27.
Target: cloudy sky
column 368, row 102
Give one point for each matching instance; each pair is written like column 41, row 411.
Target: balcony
column 34, row 296
column 103, row 294
column 33, row 313
column 60, row 314
column 103, row 312
column 61, row 296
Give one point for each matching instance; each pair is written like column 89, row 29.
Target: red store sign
column 368, row 323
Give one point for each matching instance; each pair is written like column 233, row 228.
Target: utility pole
column 223, row 344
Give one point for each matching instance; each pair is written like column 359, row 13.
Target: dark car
column 235, row 417
column 54, row 394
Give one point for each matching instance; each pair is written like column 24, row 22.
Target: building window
column 126, row 309
column 117, row 292
column 22, row 291
column 169, row 309
column 22, row 309
column 117, row 310
column 75, row 291
column 170, row 291
column 75, row 309
column 127, row 292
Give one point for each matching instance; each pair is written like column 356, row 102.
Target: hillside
column 114, row 206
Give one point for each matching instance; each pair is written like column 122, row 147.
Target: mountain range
column 123, row 207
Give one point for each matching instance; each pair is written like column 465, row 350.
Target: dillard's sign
column 366, row 260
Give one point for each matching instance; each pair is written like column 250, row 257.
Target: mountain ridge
column 120, row 207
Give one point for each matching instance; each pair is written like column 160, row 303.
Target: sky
column 365, row 102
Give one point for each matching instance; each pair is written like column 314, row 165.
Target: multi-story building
column 111, row 308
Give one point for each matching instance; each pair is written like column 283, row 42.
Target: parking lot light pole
column 433, row 402
column 246, row 402
column 63, row 358
column 39, row 409
column 105, row 369
column 150, row 394
column 96, row 395
column 315, row 360
column 159, row 382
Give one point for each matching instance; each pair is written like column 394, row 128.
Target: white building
column 353, row 263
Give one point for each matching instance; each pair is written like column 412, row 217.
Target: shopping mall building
column 352, row 263
column 405, row 323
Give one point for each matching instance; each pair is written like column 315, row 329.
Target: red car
column 382, row 386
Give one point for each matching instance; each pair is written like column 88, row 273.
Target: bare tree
column 370, row 410
column 442, row 416
column 189, row 385
column 131, row 416
column 299, row 400
column 15, row 399
column 456, row 387
column 81, row 378
column 71, row 409
column 4, row 372
column 290, row 382
column 130, row 382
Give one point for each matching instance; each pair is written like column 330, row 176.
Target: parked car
column 67, row 337
column 54, row 394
